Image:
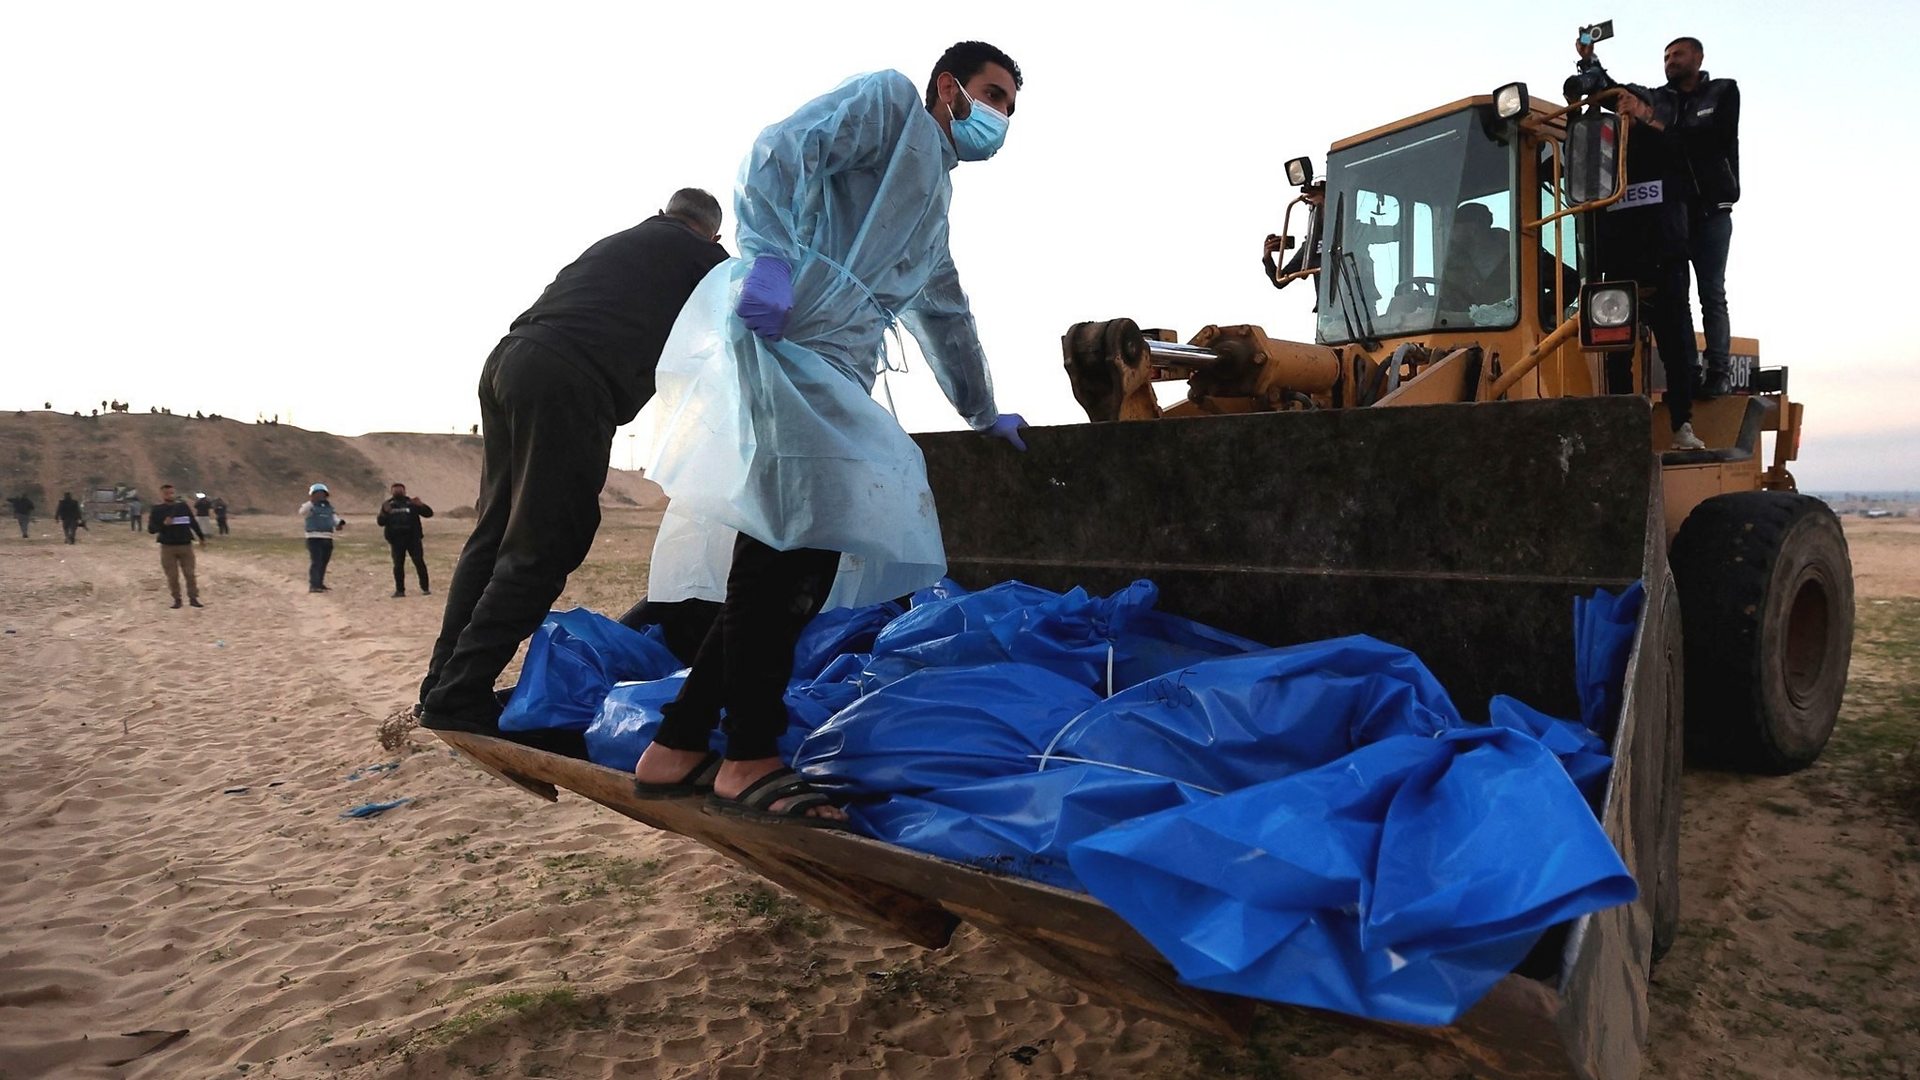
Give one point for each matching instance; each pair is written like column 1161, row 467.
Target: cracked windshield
column 1421, row 233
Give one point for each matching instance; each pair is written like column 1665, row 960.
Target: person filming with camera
column 1698, row 117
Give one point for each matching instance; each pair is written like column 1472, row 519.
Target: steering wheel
column 1422, row 285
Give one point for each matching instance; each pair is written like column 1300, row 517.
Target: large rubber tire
column 1766, row 599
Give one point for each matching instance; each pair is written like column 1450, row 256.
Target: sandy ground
column 183, row 898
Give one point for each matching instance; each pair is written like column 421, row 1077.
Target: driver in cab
column 1479, row 266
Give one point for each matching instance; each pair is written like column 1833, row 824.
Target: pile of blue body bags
column 1312, row 824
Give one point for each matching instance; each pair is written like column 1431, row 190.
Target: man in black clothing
column 575, row 366
column 22, row 513
column 1699, row 120
column 220, row 515
column 172, row 522
column 400, row 518
column 70, row 516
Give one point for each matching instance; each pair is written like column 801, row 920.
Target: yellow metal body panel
column 1687, row 486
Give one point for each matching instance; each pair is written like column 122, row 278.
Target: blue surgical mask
column 981, row 133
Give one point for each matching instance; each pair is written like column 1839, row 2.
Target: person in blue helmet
column 790, row 486
column 320, row 521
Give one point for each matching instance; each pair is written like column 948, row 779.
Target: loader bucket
column 1461, row 531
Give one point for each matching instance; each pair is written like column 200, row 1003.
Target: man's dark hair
column 1693, row 41
column 965, row 60
column 696, row 208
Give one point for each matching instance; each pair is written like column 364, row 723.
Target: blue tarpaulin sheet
column 572, row 662
column 1313, row 824
column 1602, row 637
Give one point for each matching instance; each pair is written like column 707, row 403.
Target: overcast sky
column 331, row 212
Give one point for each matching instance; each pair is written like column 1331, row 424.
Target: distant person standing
column 171, row 521
column 322, row 521
column 220, row 515
column 136, row 511
column 400, row 516
column 22, row 513
column 71, row 518
column 202, row 506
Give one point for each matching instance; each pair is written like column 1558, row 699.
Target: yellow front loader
column 1469, row 442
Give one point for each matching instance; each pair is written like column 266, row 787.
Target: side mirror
column 1300, row 171
column 1592, row 154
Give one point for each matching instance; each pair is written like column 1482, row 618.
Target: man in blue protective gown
column 788, row 481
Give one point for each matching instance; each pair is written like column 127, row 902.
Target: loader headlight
column 1609, row 316
column 1511, row 102
column 1611, row 307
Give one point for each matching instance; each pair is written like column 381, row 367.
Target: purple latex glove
column 766, row 297
column 1008, row 428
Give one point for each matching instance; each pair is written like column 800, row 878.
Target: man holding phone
column 1307, row 255
column 1699, row 117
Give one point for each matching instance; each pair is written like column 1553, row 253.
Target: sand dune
column 254, row 467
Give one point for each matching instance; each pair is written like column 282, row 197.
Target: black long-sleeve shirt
column 68, row 510
column 1700, row 130
column 174, row 523
column 401, row 518
column 609, row 311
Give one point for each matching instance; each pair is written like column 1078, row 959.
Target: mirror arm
column 1619, row 183
column 1606, row 97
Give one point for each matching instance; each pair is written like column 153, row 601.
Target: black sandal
column 782, row 783
column 698, row 781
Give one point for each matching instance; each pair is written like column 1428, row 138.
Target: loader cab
column 1420, row 230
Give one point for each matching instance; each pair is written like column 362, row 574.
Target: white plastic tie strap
column 1047, row 754
column 893, row 321
column 1069, row 760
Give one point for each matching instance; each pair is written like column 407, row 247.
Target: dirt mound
column 255, row 467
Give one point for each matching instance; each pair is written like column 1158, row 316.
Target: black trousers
column 222, row 522
column 1671, row 318
column 684, row 623
column 319, row 554
column 403, row 547
column 71, row 528
column 549, row 433
column 747, row 658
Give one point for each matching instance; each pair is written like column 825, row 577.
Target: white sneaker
column 1685, row 439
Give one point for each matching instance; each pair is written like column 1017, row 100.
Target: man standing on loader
column 1645, row 240
column 572, row 368
column 1699, row 117
column 1307, row 255
column 842, row 213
